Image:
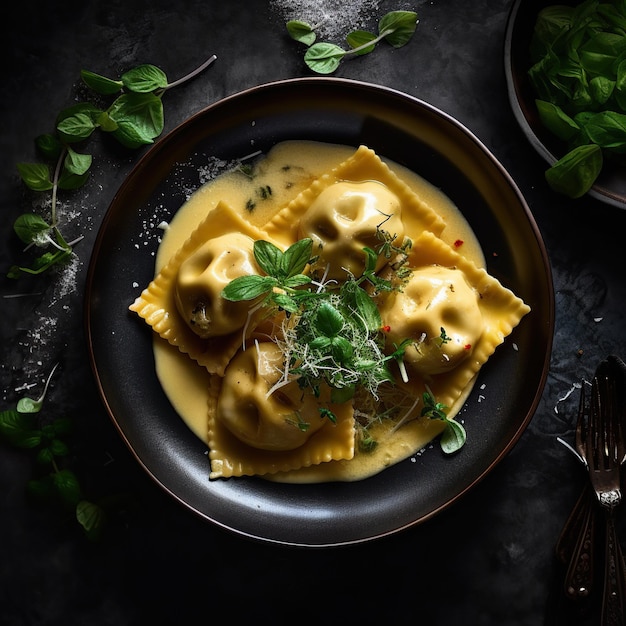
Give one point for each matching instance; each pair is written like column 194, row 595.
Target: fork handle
column 579, row 578
column 614, row 594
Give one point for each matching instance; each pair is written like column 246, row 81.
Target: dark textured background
column 486, row 560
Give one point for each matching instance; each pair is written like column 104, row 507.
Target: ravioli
column 159, row 303
column 260, row 419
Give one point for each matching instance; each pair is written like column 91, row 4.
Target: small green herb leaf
column 296, row 257
column 269, row 257
column 144, row 79
column 574, row 174
column 29, row 226
column 91, row 517
column 36, row 176
column 248, row 287
column 324, row 58
column 301, row 31
column 360, row 39
column 77, row 164
column 101, row 84
column 453, row 437
column 19, row 429
column 67, row 486
column 76, row 127
column 399, row 26
column 329, row 320
column 139, row 117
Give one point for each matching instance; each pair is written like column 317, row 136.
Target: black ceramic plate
column 400, row 128
column 610, row 187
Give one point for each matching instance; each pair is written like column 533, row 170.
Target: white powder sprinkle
column 331, row 19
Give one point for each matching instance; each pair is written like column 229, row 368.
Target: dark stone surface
column 486, row 560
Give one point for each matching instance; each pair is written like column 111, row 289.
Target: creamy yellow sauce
column 288, row 169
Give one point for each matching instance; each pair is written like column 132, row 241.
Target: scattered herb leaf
column 396, row 28
column 134, row 118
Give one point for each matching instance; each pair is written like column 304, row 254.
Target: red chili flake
column 386, row 328
column 467, row 346
column 458, row 243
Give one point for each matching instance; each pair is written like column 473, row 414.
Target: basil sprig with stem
column 396, row 28
column 23, row 427
column 134, row 118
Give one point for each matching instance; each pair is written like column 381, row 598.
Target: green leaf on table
column 575, row 173
column 324, row 57
column 144, row 79
column 101, row 84
column 453, row 437
column 36, row 176
column 360, row 39
column 301, row 31
column 400, row 26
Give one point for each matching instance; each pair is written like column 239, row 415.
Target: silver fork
column 604, row 452
column 575, row 546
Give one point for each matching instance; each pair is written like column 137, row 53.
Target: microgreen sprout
column 396, row 28
column 333, row 336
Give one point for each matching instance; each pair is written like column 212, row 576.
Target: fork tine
column 581, row 425
column 619, row 396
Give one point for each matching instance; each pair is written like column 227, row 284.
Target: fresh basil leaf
column 101, row 84
column 58, row 448
column 359, row 38
column 76, row 163
column 328, row 319
column 556, row 120
column 342, row 349
column 139, row 117
column 601, row 89
column 295, row 258
column 144, row 79
column 301, row 31
column 324, row 58
column 49, row 145
column 268, row 257
column 575, row 173
column 19, row 429
column 285, row 302
column 320, row 343
column 91, row 517
column 296, row 281
column 36, row 176
column 401, row 24
column 76, row 127
column 67, row 486
column 28, row 226
column 248, row 287
column 69, row 180
column 607, row 129
column 453, row 437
